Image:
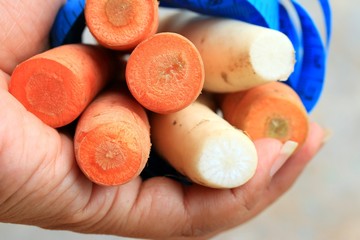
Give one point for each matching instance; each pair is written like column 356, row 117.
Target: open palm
column 41, row 184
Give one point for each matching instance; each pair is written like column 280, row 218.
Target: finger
column 196, row 210
column 290, row 171
column 25, row 26
column 4, row 80
column 286, row 151
column 223, row 209
column 184, row 210
column 263, row 189
column 34, row 161
column 287, row 173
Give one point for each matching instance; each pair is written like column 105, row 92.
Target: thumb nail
column 286, row 151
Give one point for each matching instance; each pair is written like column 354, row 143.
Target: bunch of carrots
column 196, row 89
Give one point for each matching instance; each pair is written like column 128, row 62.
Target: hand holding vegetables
column 42, row 185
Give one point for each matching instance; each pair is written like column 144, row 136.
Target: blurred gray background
column 325, row 201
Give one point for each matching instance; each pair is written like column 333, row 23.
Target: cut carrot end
column 112, row 139
column 272, row 110
column 121, row 24
column 57, row 85
column 43, row 87
column 165, row 73
column 274, row 118
column 111, row 154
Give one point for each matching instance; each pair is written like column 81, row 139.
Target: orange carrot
column 121, row 24
column 165, row 73
column 271, row 110
column 58, row 84
column 112, row 139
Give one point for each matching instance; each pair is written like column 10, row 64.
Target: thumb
column 25, row 26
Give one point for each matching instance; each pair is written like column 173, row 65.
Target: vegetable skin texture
column 121, row 24
column 112, row 139
column 204, row 147
column 58, row 84
column 272, row 110
column 237, row 55
column 165, row 73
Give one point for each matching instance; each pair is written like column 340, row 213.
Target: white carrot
column 204, row 147
column 236, row 55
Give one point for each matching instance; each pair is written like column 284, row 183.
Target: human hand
column 41, row 184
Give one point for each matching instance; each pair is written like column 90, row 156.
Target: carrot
column 272, row 110
column 204, row 147
column 237, row 55
column 121, row 24
column 112, row 139
column 165, row 73
column 58, row 84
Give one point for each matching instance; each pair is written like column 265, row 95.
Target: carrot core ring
column 117, row 12
column 116, row 159
column 52, row 93
column 277, row 128
column 272, row 110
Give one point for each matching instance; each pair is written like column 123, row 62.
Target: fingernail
column 327, row 135
column 286, row 151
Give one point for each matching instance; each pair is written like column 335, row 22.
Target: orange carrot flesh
column 121, row 24
column 112, row 139
column 58, row 84
column 271, row 110
column 165, row 73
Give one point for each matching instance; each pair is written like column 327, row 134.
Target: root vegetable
column 272, row 110
column 204, row 147
column 58, row 84
column 236, row 55
column 112, row 139
column 165, row 73
column 121, row 24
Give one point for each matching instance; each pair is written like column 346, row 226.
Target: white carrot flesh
column 204, row 147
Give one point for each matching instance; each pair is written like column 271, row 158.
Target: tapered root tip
column 229, row 162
